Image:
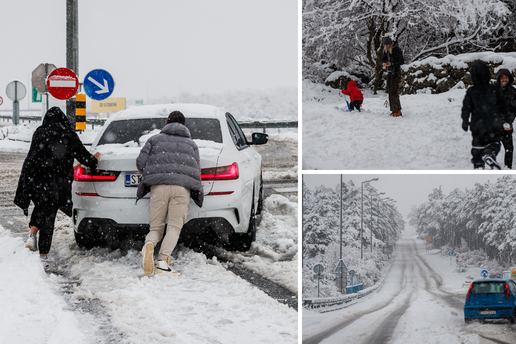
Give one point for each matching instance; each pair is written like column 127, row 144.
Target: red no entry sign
column 62, row 83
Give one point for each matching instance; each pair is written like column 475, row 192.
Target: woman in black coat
column 47, row 175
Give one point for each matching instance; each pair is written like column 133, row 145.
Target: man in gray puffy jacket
column 171, row 167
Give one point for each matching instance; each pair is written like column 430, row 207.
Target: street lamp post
column 362, row 218
column 381, row 193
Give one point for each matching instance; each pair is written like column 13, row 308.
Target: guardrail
column 264, row 125
column 267, row 124
column 332, row 301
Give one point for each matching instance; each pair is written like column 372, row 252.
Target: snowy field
column 409, row 285
column 428, row 136
column 206, row 304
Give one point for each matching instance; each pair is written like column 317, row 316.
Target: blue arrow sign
column 484, row 273
column 98, row 84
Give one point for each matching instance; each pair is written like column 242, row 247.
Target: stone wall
column 440, row 75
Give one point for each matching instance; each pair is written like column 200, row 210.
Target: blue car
column 493, row 298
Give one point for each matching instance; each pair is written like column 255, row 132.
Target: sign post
column 98, row 84
column 16, row 91
column 459, row 262
column 341, row 274
column 62, row 83
column 484, row 274
column 39, row 78
column 318, row 269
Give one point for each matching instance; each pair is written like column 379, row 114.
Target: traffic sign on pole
column 484, row 273
column 39, row 76
column 62, row 83
column 16, row 91
column 1, row 100
column 98, row 84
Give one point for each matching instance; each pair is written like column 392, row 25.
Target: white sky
column 406, row 189
column 157, row 48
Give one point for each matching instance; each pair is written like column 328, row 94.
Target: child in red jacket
column 355, row 95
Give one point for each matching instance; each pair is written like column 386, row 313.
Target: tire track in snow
column 450, row 298
column 91, row 314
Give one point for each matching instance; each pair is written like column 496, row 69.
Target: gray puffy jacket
column 171, row 158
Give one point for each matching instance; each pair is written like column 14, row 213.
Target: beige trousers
column 171, row 200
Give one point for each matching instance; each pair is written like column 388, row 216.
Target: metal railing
column 267, row 124
column 264, row 125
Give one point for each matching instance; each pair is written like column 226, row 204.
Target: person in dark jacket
column 392, row 59
column 487, row 107
column 355, row 96
column 504, row 80
column 171, row 166
column 47, row 175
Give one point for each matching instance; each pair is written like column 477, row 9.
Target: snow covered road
column 102, row 296
column 420, row 302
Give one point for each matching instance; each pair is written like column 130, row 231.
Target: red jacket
column 353, row 92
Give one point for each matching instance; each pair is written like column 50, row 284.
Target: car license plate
column 133, row 179
column 487, row 312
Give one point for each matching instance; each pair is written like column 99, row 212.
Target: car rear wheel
column 467, row 320
column 243, row 241
column 512, row 318
column 84, row 240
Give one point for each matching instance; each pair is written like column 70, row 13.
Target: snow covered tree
column 483, row 217
column 346, row 34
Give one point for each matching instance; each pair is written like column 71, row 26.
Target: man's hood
column 504, row 72
column 480, row 73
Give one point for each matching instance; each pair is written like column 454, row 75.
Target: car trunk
column 124, row 160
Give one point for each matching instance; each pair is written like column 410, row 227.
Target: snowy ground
column 206, row 304
column 409, row 308
column 428, row 136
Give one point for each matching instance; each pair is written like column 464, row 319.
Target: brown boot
column 397, row 114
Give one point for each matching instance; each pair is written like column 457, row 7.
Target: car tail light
column 84, row 174
column 467, row 295
column 508, row 291
column 220, row 193
column 229, row 172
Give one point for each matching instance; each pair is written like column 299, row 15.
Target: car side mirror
column 259, row 139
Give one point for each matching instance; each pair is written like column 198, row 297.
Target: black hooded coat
column 47, row 172
column 509, row 92
column 486, row 105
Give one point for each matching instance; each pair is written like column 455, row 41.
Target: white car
column 104, row 207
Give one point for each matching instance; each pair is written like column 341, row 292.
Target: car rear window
column 488, row 288
column 132, row 129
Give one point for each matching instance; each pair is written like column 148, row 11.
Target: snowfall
column 428, row 318
column 206, row 304
column 428, row 136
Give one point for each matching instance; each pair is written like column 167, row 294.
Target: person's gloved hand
column 465, row 125
column 507, row 126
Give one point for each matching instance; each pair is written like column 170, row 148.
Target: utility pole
column 72, row 50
